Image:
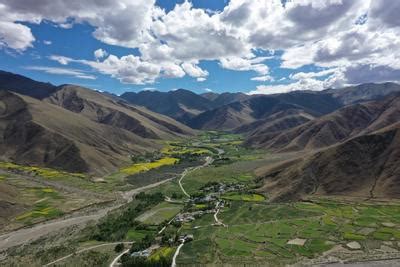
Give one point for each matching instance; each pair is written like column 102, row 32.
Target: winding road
column 209, row 160
column 176, row 254
column 180, row 182
column 115, row 261
column 217, row 221
column 27, row 235
column 87, row 249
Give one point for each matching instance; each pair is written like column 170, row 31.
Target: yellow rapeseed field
column 140, row 167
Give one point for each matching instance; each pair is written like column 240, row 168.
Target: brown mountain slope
column 179, row 104
column 227, row 98
column 210, row 95
column 38, row 133
column 338, row 126
column 225, row 118
column 23, row 85
column 266, row 129
column 237, row 114
column 365, row 166
column 363, row 92
column 110, row 110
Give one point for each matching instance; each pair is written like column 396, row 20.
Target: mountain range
column 354, row 151
column 233, row 111
column 75, row 128
column 348, row 138
column 181, row 104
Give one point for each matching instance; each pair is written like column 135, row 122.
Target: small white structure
column 353, row 245
column 143, row 253
column 185, row 238
column 297, row 242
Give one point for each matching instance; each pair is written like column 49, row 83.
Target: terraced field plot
column 160, row 213
column 239, row 172
column 236, row 165
column 176, row 148
column 37, row 199
column 44, row 206
column 162, row 252
column 261, row 232
column 256, row 232
column 43, row 172
column 161, row 173
column 137, row 235
column 40, row 194
column 72, row 180
column 243, row 197
column 140, row 167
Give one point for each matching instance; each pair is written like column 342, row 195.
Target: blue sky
column 239, row 45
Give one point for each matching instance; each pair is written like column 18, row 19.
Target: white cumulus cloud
column 63, row 71
column 350, row 41
column 100, row 53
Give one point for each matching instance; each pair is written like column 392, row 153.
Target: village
column 208, row 201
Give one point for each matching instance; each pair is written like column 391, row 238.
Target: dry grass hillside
column 247, row 115
column 115, row 112
column 365, row 166
column 266, row 129
column 364, row 92
column 178, row 104
column 39, row 133
column 339, row 126
column 234, row 115
column 74, row 128
column 23, row 85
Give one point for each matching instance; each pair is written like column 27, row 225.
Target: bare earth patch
column 353, row 245
column 366, row 231
column 388, row 224
column 297, row 242
column 388, row 249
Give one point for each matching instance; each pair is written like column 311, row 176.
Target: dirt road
column 87, row 249
column 176, row 254
column 115, row 261
column 27, row 235
column 209, row 160
column 372, row 263
column 217, row 221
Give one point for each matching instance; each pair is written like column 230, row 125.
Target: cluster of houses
column 144, row 253
column 205, row 199
column 185, row 238
column 221, row 188
column 190, row 216
column 212, row 195
column 214, row 191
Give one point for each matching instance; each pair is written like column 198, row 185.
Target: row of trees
column 162, row 261
column 116, row 225
column 147, row 157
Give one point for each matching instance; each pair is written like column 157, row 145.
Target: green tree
column 119, row 247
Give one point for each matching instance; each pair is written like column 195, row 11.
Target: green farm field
column 261, row 232
column 253, row 231
column 160, row 213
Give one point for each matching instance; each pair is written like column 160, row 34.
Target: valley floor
column 204, row 202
